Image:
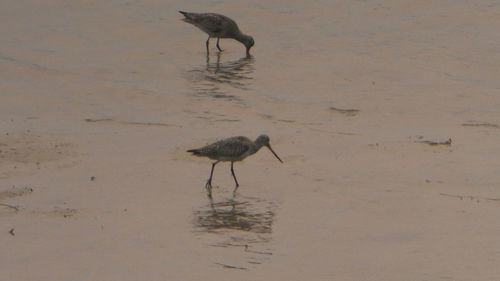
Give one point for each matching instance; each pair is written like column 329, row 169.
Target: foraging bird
column 231, row 149
column 218, row 26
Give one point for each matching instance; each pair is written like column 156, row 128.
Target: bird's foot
column 235, row 189
column 208, row 186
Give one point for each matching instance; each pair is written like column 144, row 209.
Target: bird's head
column 263, row 140
column 248, row 42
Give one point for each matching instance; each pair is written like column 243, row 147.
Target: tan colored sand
column 100, row 100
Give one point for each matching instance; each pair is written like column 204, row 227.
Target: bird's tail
column 194, row 151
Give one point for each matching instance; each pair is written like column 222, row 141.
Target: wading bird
column 218, row 26
column 231, row 149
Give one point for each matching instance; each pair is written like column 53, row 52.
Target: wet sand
column 385, row 113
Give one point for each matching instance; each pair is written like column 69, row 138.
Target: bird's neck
column 241, row 37
column 257, row 145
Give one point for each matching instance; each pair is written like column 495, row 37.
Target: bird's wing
column 234, row 149
column 211, row 23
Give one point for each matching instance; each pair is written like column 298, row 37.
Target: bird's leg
column 208, row 186
column 218, row 44
column 235, row 180
column 207, row 43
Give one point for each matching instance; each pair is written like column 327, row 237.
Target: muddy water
column 100, row 101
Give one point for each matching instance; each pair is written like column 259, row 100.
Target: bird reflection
column 217, row 78
column 249, row 215
column 244, row 223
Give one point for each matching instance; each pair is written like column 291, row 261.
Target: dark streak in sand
column 447, row 142
column 231, row 267
column 346, row 112
column 127, row 122
column 481, row 124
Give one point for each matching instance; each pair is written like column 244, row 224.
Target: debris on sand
column 15, row 192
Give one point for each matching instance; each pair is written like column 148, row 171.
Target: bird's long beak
column 248, row 53
column 269, row 146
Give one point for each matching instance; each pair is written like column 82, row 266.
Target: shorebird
column 231, row 149
column 218, row 26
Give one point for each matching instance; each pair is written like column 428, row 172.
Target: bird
column 218, row 26
column 231, row 149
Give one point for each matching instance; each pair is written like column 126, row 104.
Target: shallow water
column 218, row 79
column 101, row 100
column 241, row 223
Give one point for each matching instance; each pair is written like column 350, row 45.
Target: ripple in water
column 217, row 79
column 244, row 223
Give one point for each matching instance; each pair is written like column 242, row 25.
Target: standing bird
column 231, row 149
column 218, row 26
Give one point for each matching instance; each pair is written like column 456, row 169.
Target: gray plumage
column 218, row 26
column 231, row 149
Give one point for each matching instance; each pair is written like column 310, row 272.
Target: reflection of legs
column 218, row 44
column 208, row 186
column 217, row 66
column 212, row 205
column 235, row 180
column 207, row 43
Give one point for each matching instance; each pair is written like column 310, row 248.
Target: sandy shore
column 385, row 113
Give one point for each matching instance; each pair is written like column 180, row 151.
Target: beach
column 385, row 114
